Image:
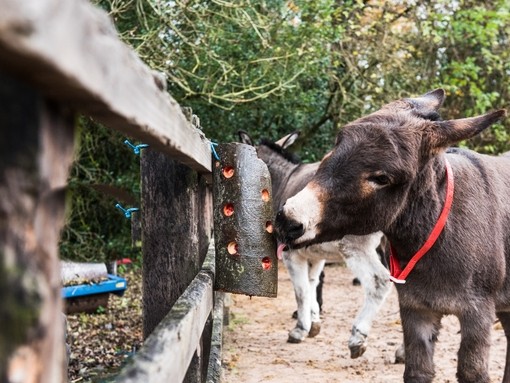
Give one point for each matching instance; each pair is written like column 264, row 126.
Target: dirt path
column 255, row 347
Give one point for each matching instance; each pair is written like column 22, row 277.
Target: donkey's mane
column 291, row 157
column 378, row 118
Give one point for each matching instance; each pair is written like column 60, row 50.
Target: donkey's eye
column 381, row 179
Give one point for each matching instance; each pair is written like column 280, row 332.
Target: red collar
column 398, row 275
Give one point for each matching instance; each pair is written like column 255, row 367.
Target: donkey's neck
column 425, row 201
column 281, row 174
column 287, row 177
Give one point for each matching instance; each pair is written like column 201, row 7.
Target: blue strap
column 213, row 150
column 136, row 148
column 127, row 212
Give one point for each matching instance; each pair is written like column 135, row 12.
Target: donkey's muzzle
column 287, row 230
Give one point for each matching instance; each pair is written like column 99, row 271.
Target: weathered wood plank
column 214, row 367
column 167, row 352
column 176, row 228
column 197, row 369
column 36, row 148
column 71, row 52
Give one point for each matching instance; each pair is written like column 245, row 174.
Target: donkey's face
column 363, row 183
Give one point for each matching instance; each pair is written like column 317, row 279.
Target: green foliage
column 105, row 172
column 272, row 67
column 474, row 66
column 101, row 310
column 239, row 64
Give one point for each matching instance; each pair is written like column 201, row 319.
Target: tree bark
column 246, row 260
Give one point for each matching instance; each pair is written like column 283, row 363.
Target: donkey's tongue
column 280, row 249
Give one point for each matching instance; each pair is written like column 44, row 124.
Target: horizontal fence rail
column 214, row 367
column 168, row 351
column 70, row 50
column 67, row 56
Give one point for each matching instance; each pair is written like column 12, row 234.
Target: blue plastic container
column 115, row 285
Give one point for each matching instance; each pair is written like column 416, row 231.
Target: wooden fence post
column 176, row 228
column 36, row 147
column 136, row 230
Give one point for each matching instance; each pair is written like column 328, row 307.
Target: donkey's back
column 483, row 195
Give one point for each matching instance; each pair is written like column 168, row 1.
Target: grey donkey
column 288, row 176
column 446, row 213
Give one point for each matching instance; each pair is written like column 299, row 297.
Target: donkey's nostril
column 294, row 230
column 287, row 229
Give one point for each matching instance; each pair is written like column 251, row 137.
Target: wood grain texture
column 71, row 52
column 215, row 357
column 176, row 228
column 36, row 148
column 168, row 351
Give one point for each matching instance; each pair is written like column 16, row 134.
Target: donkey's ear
column 244, row 137
column 429, row 102
column 425, row 106
column 288, row 140
column 447, row 133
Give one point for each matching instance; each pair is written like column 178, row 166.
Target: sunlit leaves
column 271, row 67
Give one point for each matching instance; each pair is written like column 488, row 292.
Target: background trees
column 275, row 66
column 271, row 67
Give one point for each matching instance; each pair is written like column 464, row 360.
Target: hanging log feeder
column 246, row 260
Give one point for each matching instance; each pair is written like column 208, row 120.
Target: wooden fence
column 60, row 58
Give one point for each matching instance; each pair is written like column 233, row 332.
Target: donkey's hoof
column 357, row 343
column 315, row 329
column 297, row 335
column 357, row 351
column 400, row 355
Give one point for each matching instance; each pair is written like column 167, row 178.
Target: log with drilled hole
column 246, row 260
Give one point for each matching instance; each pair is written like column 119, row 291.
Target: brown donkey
column 445, row 211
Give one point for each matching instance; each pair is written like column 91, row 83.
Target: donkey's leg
column 375, row 282
column 421, row 329
column 504, row 318
column 314, row 274
column 318, row 291
column 298, row 271
column 475, row 331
